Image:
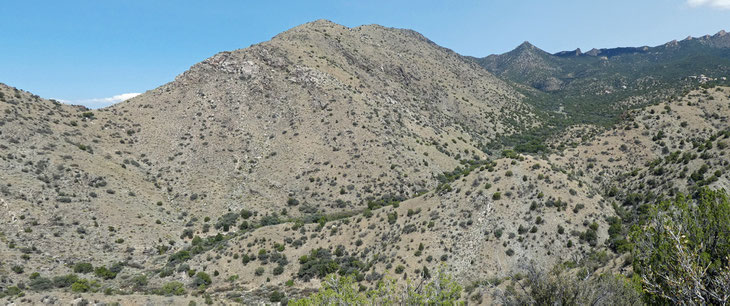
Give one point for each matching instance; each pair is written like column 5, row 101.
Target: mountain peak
column 527, row 48
column 526, row 45
column 576, row 52
column 593, row 52
column 320, row 23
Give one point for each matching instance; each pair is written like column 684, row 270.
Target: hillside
column 321, row 114
column 365, row 151
column 469, row 221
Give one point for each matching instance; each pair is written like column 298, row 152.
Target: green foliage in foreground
column 563, row 286
column 441, row 290
column 682, row 251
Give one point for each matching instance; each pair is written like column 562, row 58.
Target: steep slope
column 69, row 193
column 321, row 114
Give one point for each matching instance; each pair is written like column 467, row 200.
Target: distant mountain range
column 573, row 87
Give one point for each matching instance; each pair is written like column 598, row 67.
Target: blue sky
column 98, row 52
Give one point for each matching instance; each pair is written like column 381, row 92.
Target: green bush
column 104, row 273
column 83, row 285
column 681, row 250
column 202, row 279
column 392, row 217
column 292, row 202
column 399, row 269
column 65, row 280
column 245, row 214
column 18, row 269
column 498, row 233
column 318, row 263
column 439, row 290
column 41, row 283
column 226, row 221
column 276, row 296
column 561, row 287
column 138, row 282
column 172, row 288
column 179, row 257
column 83, row 268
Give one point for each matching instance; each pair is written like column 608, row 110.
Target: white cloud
column 721, row 4
column 101, row 102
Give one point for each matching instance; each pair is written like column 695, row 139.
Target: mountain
column 318, row 122
column 528, row 64
column 597, row 86
column 323, row 114
column 367, row 151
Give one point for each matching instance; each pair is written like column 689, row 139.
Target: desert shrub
column 318, row 263
column 65, row 280
column 84, row 285
column 399, row 269
column 202, row 279
column 498, row 233
column 681, row 250
column 590, row 236
column 226, row 221
column 17, row 269
column 172, row 288
column 179, row 257
column 138, row 282
column 292, row 202
column 278, row 270
column 559, row 286
column 438, row 290
column 578, row 207
column 41, row 283
column 272, row 219
column 104, row 273
column 276, row 296
column 392, row 217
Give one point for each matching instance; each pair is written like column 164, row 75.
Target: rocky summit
column 333, row 156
